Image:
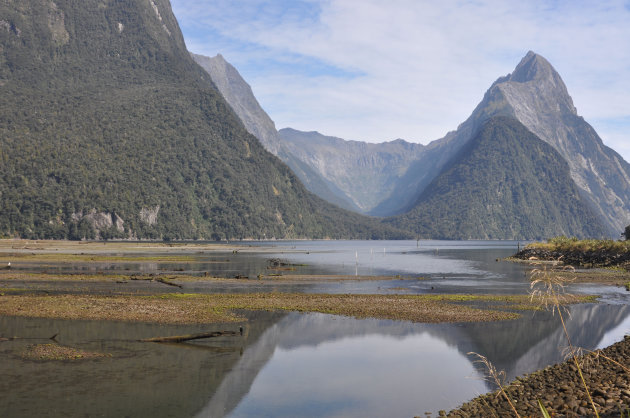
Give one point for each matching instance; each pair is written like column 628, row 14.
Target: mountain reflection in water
column 322, row 365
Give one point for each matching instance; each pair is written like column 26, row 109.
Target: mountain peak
column 533, row 67
column 534, row 90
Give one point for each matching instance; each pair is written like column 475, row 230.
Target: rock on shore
column 561, row 391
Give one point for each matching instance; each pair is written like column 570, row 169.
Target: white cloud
column 374, row 70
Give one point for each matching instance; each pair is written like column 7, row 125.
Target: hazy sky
column 377, row 70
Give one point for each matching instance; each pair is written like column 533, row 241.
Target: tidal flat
column 30, row 285
column 374, row 299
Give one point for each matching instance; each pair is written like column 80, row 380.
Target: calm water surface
column 307, row 365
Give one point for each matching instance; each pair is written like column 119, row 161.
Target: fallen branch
column 169, row 283
column 182, row 338
column 3, row 339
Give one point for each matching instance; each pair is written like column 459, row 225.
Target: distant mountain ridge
column 366, row 173
column 241, row 98
column 535, row 95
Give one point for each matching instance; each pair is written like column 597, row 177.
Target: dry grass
column 115, row 308
column 584, row 245
column 58, row 352
column 183, row 308
column 549, row 289
column 180, row 308
column 96, row 258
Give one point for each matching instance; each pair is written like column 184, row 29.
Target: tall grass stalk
column 598, row 354
column 497, row 377
column 549, row 289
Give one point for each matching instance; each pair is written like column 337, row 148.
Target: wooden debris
column 182, row 338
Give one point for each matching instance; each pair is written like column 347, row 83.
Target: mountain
column 504, row 183
column 109, row 129
column 536, row 95
column 365, row 173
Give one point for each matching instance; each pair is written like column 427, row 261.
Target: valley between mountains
column 573, row 185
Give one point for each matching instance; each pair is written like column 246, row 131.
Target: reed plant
column 549, row 289
column 497, row 377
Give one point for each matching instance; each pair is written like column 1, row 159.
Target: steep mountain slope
column 537, row 96
column 505, row 183
column 366, row 173
column 109, row 128
column 351, row 174
column 241, row 98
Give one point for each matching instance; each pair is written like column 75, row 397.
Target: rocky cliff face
column 367, row 174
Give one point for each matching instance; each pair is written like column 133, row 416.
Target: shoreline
column 561, row 391
column 596, row 265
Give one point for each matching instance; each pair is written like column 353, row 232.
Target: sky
column 376, row 70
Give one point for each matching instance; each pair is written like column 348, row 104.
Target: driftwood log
column 164, row 281
column 182, row 338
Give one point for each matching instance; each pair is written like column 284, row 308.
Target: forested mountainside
column 505, row 183
column 109, row 129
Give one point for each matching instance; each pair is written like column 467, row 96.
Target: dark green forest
column 505, row 183
column 102, row 109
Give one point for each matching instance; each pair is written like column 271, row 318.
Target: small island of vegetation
column 597, row 261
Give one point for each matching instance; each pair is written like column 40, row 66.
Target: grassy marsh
column 178, row 308
column 94, row 295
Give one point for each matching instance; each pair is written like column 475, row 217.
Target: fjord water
column 291, row 364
